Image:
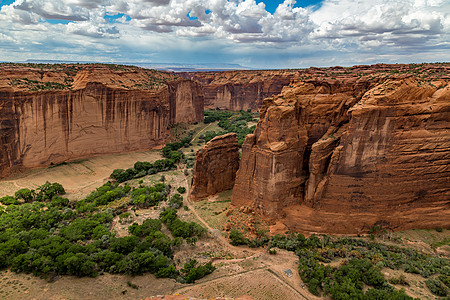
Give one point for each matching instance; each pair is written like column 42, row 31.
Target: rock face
column 91, row 116
column 236, row 90
column 215, row 167
column 343, row 155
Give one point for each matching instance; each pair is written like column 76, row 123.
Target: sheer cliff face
column 215, row 167
column 342, row 156
column 40, row 128
column 236, row 90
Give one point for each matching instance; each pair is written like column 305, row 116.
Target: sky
column 253, row 33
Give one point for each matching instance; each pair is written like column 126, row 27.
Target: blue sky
column 253, row 33
column 271, row 6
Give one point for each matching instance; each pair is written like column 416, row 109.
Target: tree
column 237, row 238
column 25, row 194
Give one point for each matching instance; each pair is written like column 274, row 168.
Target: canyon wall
column 215, row 167
column 345, row 154
column 43, row 127
column 240, row 90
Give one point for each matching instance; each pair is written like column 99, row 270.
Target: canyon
column 240, row 90
column 342, row 150
column 51, row 114
column 336, row 150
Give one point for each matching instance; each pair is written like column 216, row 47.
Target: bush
column 48, row 190
column 25, row 194
column 193, row 273
column 436, row 287
column 8, row 200
column 178, row 227
column 176, row 201
column 399, row 280
column 181, row 190
column 237, row 238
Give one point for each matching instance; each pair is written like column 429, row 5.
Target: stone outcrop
column 215, row 167
column 48, row 117
column 341, row 155
column 236, row 90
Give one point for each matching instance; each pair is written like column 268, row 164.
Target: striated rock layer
column 236, row 90
column 343, row 155
column 215, row 167
column 45, row 123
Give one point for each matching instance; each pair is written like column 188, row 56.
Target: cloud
column 346, row 31
column 397, row 22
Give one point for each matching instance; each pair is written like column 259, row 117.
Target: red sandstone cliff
column 236, row 90
column 344, row 154
column 50, row 116
column 215, row 167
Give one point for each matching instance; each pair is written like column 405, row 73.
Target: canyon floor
column 240, row 270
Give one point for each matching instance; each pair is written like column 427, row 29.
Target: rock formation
column 343, row 154
column 215, row 167
column 51, row 116
column 236, row 90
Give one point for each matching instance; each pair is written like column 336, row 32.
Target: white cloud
column 346, row 31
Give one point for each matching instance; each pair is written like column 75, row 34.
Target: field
column 78, row 178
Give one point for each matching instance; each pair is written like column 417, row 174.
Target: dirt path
column 220, row 238
column 294, row 285
column 198, row 133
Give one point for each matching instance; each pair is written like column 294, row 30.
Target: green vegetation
column 47, row 235
column 142, row 169
column 35, row 85
column 176, row 201
column 401, row 280
column 436, row 287
column 237, row 238
column 180, row 228
column 230, row 122
column 171, row 150
column 360, row 268
column 192, row 273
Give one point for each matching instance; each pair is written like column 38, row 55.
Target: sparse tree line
column 45, row 234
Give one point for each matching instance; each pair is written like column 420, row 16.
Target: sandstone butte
column 236, row 90
column 55, row 113
column 216, row 164
column 341, row 150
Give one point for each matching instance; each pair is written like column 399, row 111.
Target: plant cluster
column 180, row 228
column 52, row 236
column 35, row 85
column 142, row 169
column 176, row 201
column 148, row 196
column 363, row 261
column 237, row 238
column 171, row 150
column 43, row 193
column 229, row 122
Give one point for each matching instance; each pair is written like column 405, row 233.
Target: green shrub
column 436, row 287
column 237, row 238
column 176, row 201
column 399, row 280
column 9, row 200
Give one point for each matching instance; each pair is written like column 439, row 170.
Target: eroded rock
column 236, row 90
column 341, row 156
column 49, row 117
column 215, row 167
